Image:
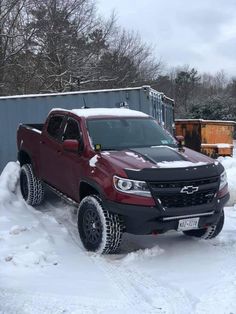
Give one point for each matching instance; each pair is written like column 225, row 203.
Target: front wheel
column 100, row 231
column 209, row 232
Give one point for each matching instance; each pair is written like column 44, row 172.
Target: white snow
column 44, row 269
column 136, row 156
column 142, row 255
column 119, row 112
column 104, row 153
column 179, row 164
column 230, row 166
column 79, row 92
column 93, row 161
column 206, row 121
column 96, row 112
column 218, row 145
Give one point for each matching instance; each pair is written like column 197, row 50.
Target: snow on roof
column 144, row 88
column 78, row 92
column 204, row 121
column 218, row 145
column 92, row 112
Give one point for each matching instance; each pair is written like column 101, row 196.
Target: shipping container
column 34, row 109
column 211, row 137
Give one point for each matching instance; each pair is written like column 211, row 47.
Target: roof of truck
column 98, row 112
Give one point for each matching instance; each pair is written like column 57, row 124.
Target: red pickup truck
column 124, row 172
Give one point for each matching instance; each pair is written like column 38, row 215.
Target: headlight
column 131, row 186
column 223, row 180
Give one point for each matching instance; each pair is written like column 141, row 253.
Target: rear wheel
column 209, row 232
column 100, row 231
column 31, row 187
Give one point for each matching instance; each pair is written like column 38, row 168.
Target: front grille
column 181, row 184
column 184, row 200
column 168, row 194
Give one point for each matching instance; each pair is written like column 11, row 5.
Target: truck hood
column 155, row 157
column 161, row 161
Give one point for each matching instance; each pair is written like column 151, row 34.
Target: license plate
column 188, row 224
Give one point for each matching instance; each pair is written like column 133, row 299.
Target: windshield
column 121, row 133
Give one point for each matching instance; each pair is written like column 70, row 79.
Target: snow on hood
column 155, row 157
column 93, row 161
column 179, row 164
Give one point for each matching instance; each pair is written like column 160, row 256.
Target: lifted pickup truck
column 124, row 172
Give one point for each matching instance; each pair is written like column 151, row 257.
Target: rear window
column 54, row 126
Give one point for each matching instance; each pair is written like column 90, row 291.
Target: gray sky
column 199, row 33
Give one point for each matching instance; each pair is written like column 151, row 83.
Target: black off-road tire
column 209, row 232
column 100, row 231
column 32, row 188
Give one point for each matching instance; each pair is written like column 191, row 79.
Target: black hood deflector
column 176, row 174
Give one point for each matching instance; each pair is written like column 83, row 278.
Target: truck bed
column 34, row 126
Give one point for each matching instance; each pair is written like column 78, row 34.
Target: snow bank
column 8, row 181
column 23, row 242
column 142, row 255
column 44, row 270
column 41, row 259
column 230, row 166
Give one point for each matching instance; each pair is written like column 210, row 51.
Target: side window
column 54, row 126
column 72, row 131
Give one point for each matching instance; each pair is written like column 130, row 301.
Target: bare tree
column 14, row 37
column 68, row 41
column 128, row 61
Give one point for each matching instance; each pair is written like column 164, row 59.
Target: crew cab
column 124, row 173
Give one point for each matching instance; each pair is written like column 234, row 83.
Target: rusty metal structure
column 211, row 137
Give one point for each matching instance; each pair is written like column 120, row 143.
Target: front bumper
column 146, row 220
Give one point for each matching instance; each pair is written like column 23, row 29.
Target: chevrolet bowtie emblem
column 189, row 189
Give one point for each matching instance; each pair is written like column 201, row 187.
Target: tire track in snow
column 143, row 294
column 18, row 302
column 221, row 297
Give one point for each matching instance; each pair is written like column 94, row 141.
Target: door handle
column 42, row 142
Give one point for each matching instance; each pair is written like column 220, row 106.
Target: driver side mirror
column 71, row 146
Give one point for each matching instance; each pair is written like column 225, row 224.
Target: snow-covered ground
column 44, row 269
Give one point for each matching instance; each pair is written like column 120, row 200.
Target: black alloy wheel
column 92, row 227
column 100, row 230
column 24, row 185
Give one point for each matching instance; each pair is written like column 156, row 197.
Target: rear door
column 51, row 151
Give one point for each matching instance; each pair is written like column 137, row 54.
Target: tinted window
column 128, row 133
column 54, row 126
column 72, row 130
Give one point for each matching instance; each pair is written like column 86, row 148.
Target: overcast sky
column 199, row 33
